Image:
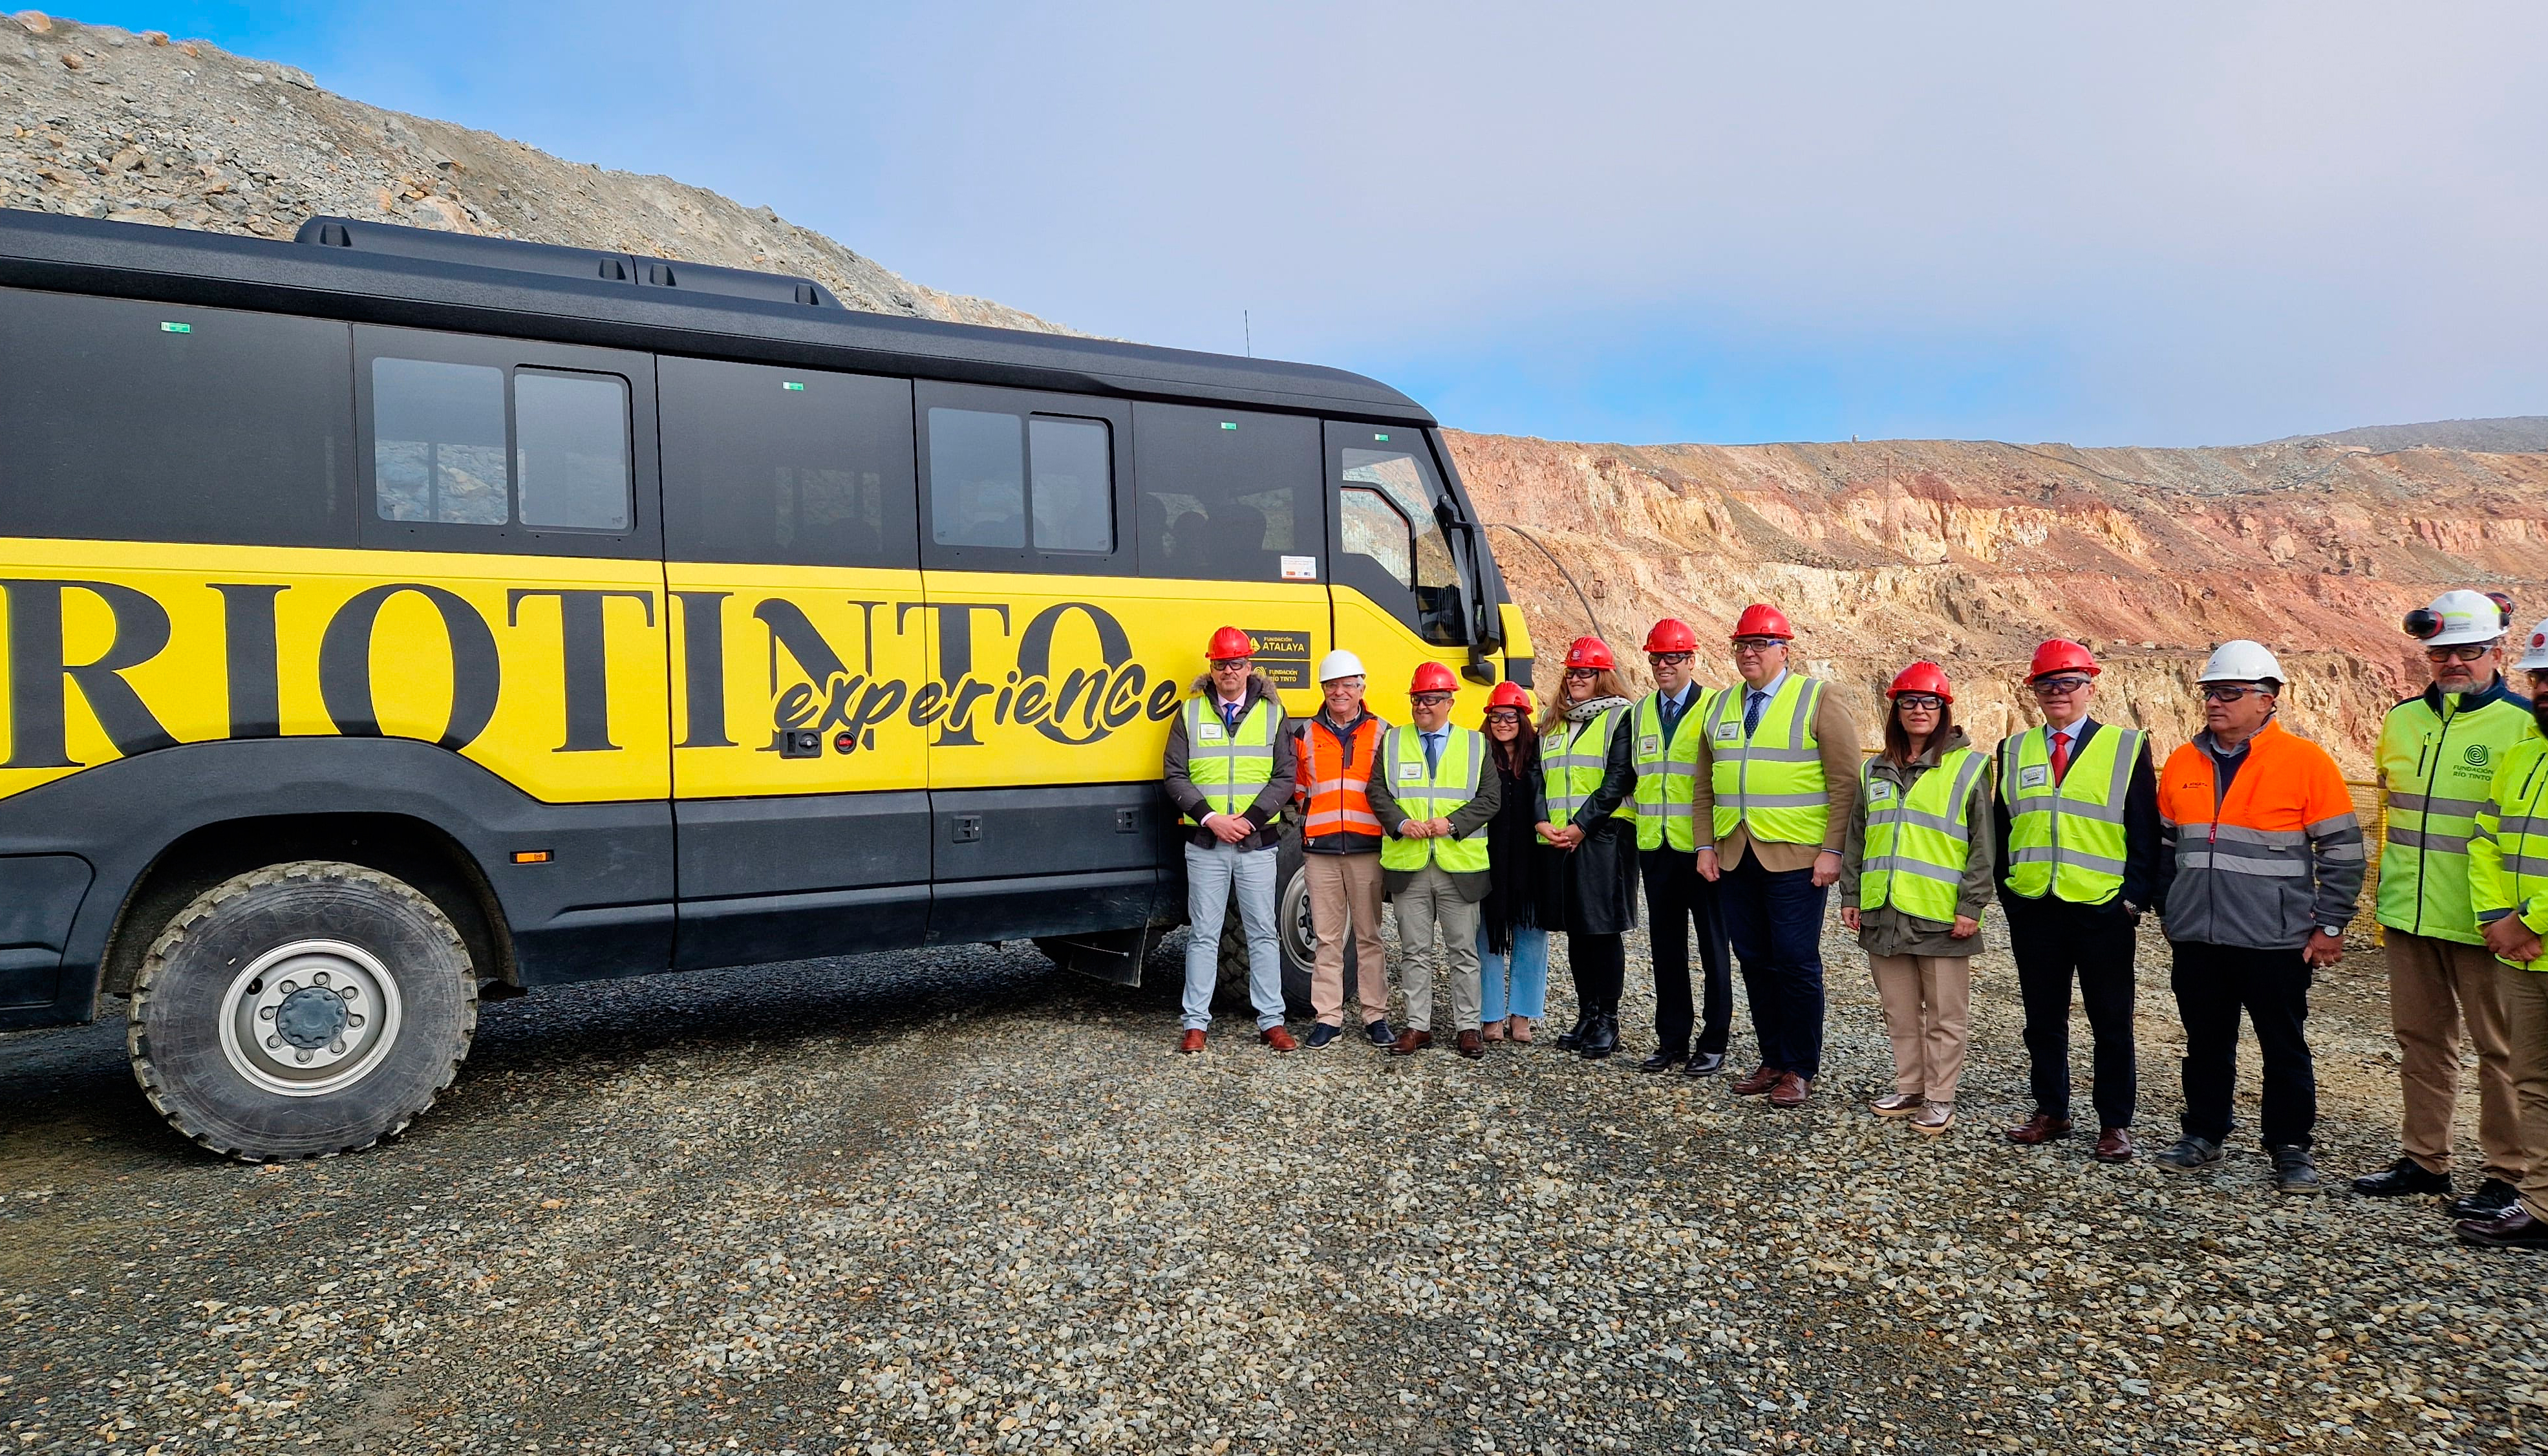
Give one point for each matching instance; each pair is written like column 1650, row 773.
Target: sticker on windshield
column 1299, row 568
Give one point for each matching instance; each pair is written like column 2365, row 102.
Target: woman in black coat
column 1589, row 879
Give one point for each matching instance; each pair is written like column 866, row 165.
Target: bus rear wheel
column 302, row 1010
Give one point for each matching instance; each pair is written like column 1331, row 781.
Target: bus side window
column 1022, row 480
column 786, row 466
column 1393, row 547
column 1227, row 495
column 572, row 461
column 438, row 443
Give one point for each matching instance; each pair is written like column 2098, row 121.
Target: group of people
column 1737, row 810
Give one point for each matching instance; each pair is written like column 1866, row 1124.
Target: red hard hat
column 1761, row 620
column 1509, row 695
column 2061, row 654
column 1228, row 643
column 1672, row 634
column 1590, row 652
column 1921, row 678
column 1433, row 677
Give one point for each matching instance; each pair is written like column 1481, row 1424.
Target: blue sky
column 2188, row 223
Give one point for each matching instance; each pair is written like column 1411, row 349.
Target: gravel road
column 961, row 1202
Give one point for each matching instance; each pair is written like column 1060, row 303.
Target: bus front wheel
column 302, row 1010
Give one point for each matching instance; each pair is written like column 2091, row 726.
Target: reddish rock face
column 1970, row 553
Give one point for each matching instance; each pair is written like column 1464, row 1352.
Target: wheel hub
column 309, row 1018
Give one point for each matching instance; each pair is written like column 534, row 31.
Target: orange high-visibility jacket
column 2263, row 864
column 1335, row 788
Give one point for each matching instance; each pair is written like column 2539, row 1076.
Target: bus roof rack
column 432, row 245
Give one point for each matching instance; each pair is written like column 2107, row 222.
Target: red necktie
column 2060, row 756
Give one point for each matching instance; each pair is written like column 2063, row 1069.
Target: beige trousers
column 2525, row 1006
column 1343, row 887
column 2434, row 986
column 1927, row 1009
column 1429, row 902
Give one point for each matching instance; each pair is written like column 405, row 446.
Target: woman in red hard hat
column 1512, row 938
column 1586, row 778
column 1915, row 874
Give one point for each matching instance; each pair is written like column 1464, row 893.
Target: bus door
column 799, row 646
column 1401, row 594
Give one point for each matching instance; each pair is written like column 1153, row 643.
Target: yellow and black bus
column 392, row 613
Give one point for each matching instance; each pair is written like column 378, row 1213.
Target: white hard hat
column 1340, row 663
column 2459, row 617
column 2243, row 660
column 2536, row 659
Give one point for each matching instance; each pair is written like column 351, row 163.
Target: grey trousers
column 1431, row 904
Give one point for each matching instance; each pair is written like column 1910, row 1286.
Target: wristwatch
column 2337, row 931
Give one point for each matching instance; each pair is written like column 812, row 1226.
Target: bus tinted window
column 438, row 441
column 573, row 459
column 134, row 422
column 977, row 478
column 789, row 467
column 1228, row 494
column 1074, row 483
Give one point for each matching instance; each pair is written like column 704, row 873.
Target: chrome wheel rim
column 309, row 1018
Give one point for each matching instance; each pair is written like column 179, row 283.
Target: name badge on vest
column 1729, row 732
column 1880, row 791
column 1411, row 773
column 1649, row 744
column 1208, row 732
column 2034, row 776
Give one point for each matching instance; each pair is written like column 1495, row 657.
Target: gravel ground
column 959, row 1202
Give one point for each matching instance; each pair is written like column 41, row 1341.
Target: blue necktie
column 1752, row 711
column 1669, row 710
column 1432, row 753
column 1230, row 717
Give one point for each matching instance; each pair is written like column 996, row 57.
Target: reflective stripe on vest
column 1229, row 768
column 1433, row 793
column 1667, row 796
column 2067, row 838
column 1574, row 761
column 2437, row 769
column 1340, row 793
column 1771, row 781
column 1918, row 842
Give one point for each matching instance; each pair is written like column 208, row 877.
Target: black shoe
column 1574, row 1036
column 2294, row 1172
column 1704, row 1064
column 2511, row 1229
column 1600, row 1036
column 1321, row 1035
column 2405, row 1176
column 1381, row 1035
column 2189, row 1153
column 2492, row 1200
column 1664, row 1061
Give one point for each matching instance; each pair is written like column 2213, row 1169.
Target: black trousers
column 1677, row 899
column 2055, row 943
column 1600, row 964
column 2213, row 983
column 1774, row 919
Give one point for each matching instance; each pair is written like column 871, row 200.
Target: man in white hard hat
column 1340, row 840
column 2265, row 858
column 2438, row 753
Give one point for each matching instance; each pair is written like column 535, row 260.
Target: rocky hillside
column 104, row 123
column 1970, row 552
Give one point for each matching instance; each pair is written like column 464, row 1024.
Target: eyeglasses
column 1757, row 644
column 1581, row 675
column 1232, row 665
column 1510, row 717
column 1928, row 700
column 1667, row 659
column 2058, row 687
column 2230, row 691
column 2466, row 652
column 1429, row 699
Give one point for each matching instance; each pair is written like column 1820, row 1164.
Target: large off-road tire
column 302, row 1010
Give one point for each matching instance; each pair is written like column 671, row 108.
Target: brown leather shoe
column 2511, row 1229
column 2114, row 1145
column 1410, row 1041
column 1193, row 1041
column 1757, row 1081
column 2043, row 1127
column 1471, row 1044
column 1278, row 1037
column 1791, row 1091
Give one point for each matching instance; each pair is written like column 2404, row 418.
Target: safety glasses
column 1233, row 665
column 2466, row 652
column 1429, row 699
column 2230, row 691
column 1927, row 701
column 2058, row 687
column 1755, row 645
column 1510, row 717
column 1667, row 659
column 1581, row 675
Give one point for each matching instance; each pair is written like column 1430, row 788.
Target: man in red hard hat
column 1434, row 792
column 2077, row 818
column 1776, row 777
column 1677, row 900
column 1229, row 771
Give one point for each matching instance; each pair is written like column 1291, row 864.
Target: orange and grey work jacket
column 1335, row 786
column 2265, row 847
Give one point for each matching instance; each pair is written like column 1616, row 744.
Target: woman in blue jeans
column 1511, row 945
